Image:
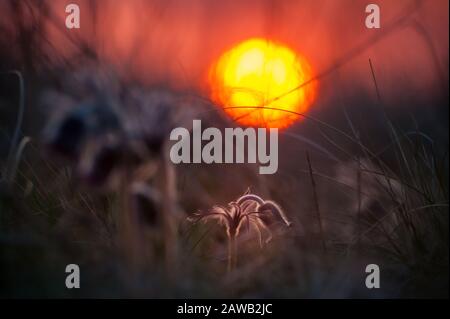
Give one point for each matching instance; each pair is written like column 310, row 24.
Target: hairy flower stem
column 169, row 213
column 231, row 247
column 129, row 244
column 232, row 253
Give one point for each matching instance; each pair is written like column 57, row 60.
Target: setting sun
column 260, row 73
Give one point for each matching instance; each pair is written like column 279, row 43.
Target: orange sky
column 175, row 41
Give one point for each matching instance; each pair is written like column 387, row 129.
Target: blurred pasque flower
column 104, row 125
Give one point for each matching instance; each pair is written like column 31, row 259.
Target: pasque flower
column 250, row 211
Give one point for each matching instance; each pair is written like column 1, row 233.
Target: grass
column 316, row 202
column 409, row 232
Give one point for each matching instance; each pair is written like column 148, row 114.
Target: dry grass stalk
column 316, row 202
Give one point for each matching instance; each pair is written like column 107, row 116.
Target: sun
column 263, row 76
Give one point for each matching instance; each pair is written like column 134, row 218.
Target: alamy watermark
column 73, row 277
column 230, row 148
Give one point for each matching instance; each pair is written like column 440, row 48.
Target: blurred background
column 85, row 116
